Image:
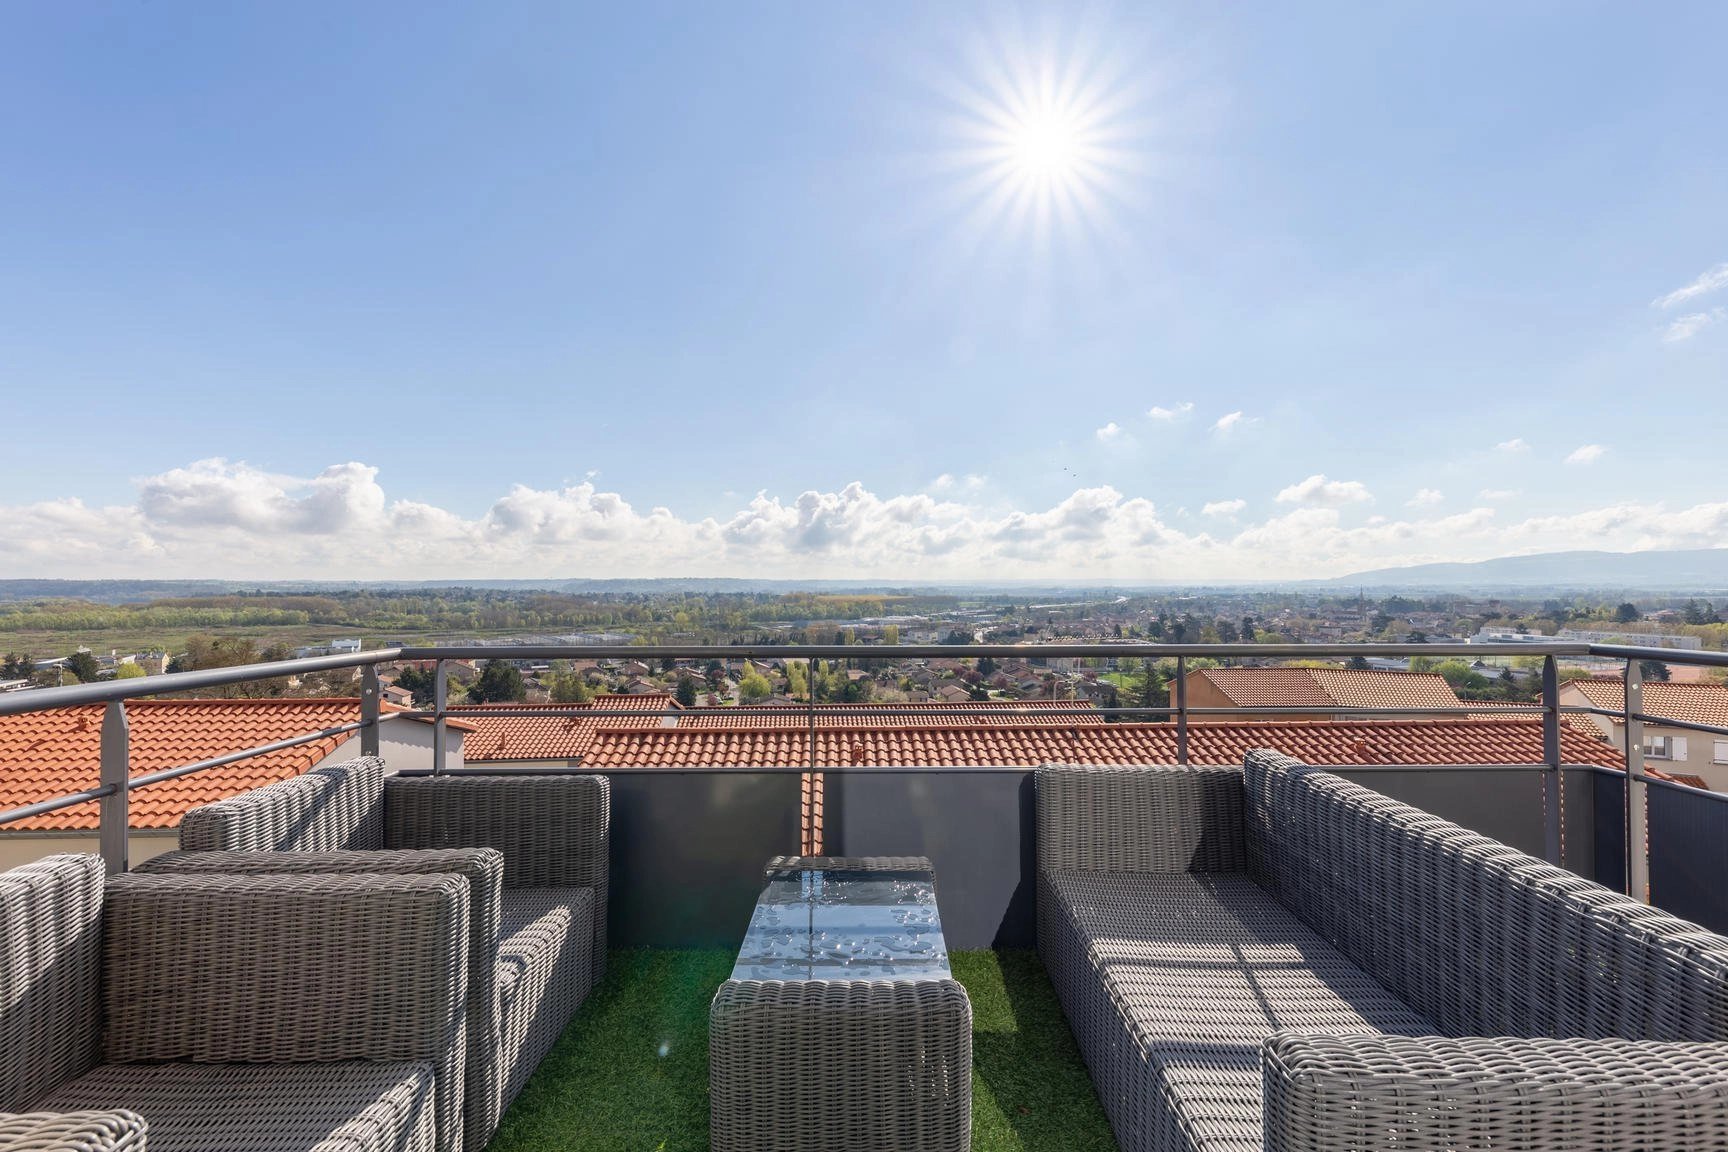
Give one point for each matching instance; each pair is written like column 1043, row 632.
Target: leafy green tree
column 131, row 670
column 500, row 682
column 1626, row 613
column 715, row 674
column 17, row 666
column 1358, row 663
column 987, row 666
column 686, row 692
column 754, row 687
column 569, row 687
column 1150, row 689
column 858, row 692
column 84, row 666
column 797, row 682
column 891, row 634
column 1247, row 630
column 421, row 682
column 1654, row 670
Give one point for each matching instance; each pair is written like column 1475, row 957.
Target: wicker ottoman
column 842, row 1025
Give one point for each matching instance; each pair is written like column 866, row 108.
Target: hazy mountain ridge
column 1688, row 569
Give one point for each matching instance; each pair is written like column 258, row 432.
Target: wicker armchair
column 1275, row 958
column 539, row 880
column 231, row 1011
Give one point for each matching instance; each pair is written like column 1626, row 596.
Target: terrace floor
column 631, row 1071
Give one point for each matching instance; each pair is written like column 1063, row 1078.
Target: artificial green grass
column 631, row 1071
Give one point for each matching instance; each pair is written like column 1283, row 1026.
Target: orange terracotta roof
column 553, row 736
column 1268, row 687
column 1331, row 687
column 1461, row 741
column 1364, row 688
column 51, row 753
column 1688, row 703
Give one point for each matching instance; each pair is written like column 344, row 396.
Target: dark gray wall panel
column 976, row 827
column 1689, row 854
column 688, row 850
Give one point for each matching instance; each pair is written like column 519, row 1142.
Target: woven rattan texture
column 544, row 971
column 483, row 1096
column 1352, row 1093
column 290, row 969
column 1172, row 981
column 50, row 975
column 1482, row 939
column 327, row 808
column 116, row 1131
column 554, row 831
column 346, row 1107
column 1100, row 819
column 809, row 1066
column 848, row 864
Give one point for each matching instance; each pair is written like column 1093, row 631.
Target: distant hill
column 1696, row 569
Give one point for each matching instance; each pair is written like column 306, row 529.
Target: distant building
column 1678, row 752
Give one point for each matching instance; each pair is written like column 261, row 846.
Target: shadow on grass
column 1030, row 1087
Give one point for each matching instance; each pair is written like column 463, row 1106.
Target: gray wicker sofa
column 1272, row 957
column 534, row 849
column 249, row 1014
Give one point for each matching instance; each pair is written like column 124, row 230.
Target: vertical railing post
column 815, row 791
column 1182, row 710
column 1637, row 822
column 115, row 808
column 1552, row 780
column 440, row 698
column 369, row 710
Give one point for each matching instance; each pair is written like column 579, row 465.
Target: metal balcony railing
column 115, row 782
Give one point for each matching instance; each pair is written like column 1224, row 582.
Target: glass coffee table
column 842, row 1024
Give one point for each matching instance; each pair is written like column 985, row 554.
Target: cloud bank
column 217, row 518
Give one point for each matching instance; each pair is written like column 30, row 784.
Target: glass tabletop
column 827, row 924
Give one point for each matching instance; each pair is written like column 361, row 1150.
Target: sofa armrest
column 50, row 975
column 1139, row 819
column 483, row 868
column 114, row 1131
column 290, row 969
column 336, row 806
column 1433, row 1093
column 554, row 831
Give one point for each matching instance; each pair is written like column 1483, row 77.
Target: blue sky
column 401, row 290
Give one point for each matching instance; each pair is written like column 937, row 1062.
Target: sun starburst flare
column 1047, row 143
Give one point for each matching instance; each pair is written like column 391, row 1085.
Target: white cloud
column 1109, row 432
column 1323, row 493
column 218, row 518
column 1497, row 494
column 1586, row 454
column 1687, row 326
column 1705, row 284
column 1513, row 446
column 1229, row 421
column 1425, row 498
column 1223, row 507
column 1181, row 409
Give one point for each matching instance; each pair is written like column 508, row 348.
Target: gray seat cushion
column 354, row 1106
column 1197, row 970
column 545, row 968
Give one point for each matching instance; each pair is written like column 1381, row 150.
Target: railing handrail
column 116, row 781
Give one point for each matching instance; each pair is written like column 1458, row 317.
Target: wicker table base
column 813, row 1063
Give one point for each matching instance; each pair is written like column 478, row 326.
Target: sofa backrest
column 1481, row 938
column 1139, row 819
column 50, row 975
column 337, row 806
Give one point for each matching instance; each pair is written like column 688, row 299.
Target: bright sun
column 1046, row 146
column 1046, row 142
